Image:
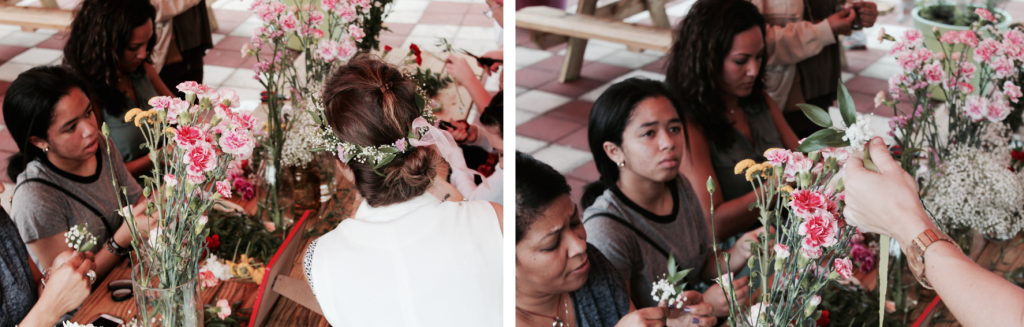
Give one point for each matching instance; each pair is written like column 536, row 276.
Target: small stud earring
column 622, row 164
column 47, row 149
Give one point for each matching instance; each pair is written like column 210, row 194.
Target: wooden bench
column 551, row 26
column 32, row 18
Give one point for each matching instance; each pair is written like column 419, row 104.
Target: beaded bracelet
column 116, row 249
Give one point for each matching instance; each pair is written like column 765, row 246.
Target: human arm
column 867, row 12
column 797, row 41
column 738, row 256
column 67, row 287
column 498, row 210
column 167, row 9
column 497, row 54
column 463, row 74
column 731, row 217
column 886, row 202
column 789, row 139
column 140, row 166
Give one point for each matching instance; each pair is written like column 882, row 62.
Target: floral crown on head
column 380, row 155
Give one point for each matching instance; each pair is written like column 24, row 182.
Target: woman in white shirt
column 406, row 258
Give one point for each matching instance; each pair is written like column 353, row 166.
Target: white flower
column 662, row 290
column 859, row 133
column 815, row 300
column 881, row 34
column 79, row 238
column 879, row 98
column 219, row 269
column 756, row 311
column 75, row 324
column 153, row 236
column 781, row 250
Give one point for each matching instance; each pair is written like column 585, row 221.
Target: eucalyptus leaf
column 846, row 107
column 671, row 264
column 316, row 117
column 388, row 150
column 816, row 114
column 822, row 139
column 384, row 161
column 420, row 102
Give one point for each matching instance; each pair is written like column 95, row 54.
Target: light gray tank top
column 126, row 136
column 762, row 128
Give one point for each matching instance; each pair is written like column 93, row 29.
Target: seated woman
column 62, row 171
column 557, row 269
column 648, row 210
column 716, row 69
column 21, row 303
column 109, row 45
column 406, row 257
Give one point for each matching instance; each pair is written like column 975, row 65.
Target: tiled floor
column 411, row 21
column 552, row 117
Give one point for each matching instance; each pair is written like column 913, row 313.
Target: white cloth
column 789, row 40
column 164, row 29
column 422, row 262
column 467, row 186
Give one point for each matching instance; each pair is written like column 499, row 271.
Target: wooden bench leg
column 573, row 63
column 658, row 15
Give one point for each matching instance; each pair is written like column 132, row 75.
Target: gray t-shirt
column 682, row 233
column 41, row 211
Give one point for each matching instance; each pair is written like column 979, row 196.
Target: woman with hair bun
column 407, row 257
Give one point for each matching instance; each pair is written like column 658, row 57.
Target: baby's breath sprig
column 671, row 286
column 79, row 238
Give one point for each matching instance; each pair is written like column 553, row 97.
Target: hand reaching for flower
column 459, row 69
column 646, row 317
column 743, row 244
column 716, row 296
column 693, row 311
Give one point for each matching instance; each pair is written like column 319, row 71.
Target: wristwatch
column 915, row 252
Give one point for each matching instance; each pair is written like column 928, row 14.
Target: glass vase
column 306, row 189
column 170, row 307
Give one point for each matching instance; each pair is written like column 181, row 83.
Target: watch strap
column 915, row 252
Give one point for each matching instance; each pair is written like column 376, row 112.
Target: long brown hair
column 99, row 34
column 370, row 103
column 703, row 41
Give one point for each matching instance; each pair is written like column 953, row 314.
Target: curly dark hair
column 99, row 34
column 703, row 41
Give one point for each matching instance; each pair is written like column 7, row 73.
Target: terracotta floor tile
column 551, row 64
column 547, row 129
column 9, row 51
column 232, row 43
column 577, row 110
column 441, row 7
column 477, row 19
column 522, row 36
column 55, row 42
column 225, row 15
column 602, row 72
column 866, row 85
column 659, row 66
column 394, row 41
column 856, row 66
column 572, row 89
column 867, row 54
column 399, row 29
column 576, row 140
column 225, row 58
column 3, row 88
column 533, row 78
column 441, row 18
column 587, row 172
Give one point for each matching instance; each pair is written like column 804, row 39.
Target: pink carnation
column 229, row 98
column 1003, row 66
column 967, row 88
column 238, row 143
column 1012, row 90
column 914, row 38
column 841, row 154
column 171, row 180
column 245, row 188
column 998, row 108
column 160, row 103
column 985, row 14
column 844, row 267
column 225, row 309
column 976, row 107
column 224, row 188
column 207, row 278
column 806, row 203
column 812, row 253
column 194, row 179
column 187, row 136
column 315, row 18
column 346, row 11
column 189, row 87
column 933, row 73
column 289, row 23
column 356, row 32
column 986, row 49
column 779, row 157
column 200, row 158
column 797, row 164
column 781, row 250
column 819, row 229
column 966, row 71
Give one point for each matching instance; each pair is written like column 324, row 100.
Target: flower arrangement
column 79, row 238
column 669, row 288
column 202, row 137
column 806, row 247
column 220, row 314
column 328, row 33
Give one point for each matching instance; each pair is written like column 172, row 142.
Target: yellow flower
column 169, row 130
column 139, row 117
column 257, row 275
column 743, row 164
column 753, row 169
column 130, row 114
column 786, row 188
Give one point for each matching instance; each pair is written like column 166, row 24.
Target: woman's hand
column 884, row 202
column 68, row 286
column 646, row 317
column 742, row 247
column 842, row 22
column 693, row 312
column 459, row 69
column 493, row 54
column 716, row 296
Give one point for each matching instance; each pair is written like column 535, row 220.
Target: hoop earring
column 622, row 164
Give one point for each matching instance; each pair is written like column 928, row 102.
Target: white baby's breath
column 859, row 133
column 79, row 238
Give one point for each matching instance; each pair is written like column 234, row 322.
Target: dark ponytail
column 28, row 109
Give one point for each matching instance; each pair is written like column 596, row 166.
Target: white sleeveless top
column 422, row 262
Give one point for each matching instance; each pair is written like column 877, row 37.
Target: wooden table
column 285, row 312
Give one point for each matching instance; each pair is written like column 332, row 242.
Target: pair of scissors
column 486, row 62
column 120, row 289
